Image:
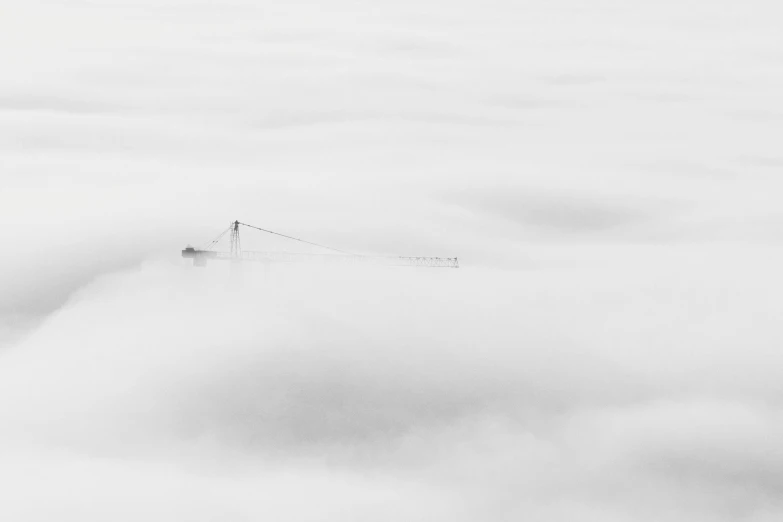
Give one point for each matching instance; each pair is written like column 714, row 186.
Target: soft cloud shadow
column 566, row 212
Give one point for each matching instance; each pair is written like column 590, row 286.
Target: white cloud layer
column 607, row 173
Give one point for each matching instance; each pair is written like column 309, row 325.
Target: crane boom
column 200, row 256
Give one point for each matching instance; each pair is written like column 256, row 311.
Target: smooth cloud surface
column 606, row 172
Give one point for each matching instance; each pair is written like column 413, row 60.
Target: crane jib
column 201, row 255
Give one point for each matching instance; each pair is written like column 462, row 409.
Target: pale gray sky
column 608, row 173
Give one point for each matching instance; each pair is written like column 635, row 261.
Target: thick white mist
column 608, row 174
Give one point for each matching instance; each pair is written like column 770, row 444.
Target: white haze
column 608, row 173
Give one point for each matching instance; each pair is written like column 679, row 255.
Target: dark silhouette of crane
column 200, row 256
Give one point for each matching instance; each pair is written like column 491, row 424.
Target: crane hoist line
column 236, row 253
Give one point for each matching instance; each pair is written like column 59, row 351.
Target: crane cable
column 296, row 239
column 214, row 241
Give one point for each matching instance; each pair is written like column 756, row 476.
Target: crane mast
column 236, row 246
column 235, row 253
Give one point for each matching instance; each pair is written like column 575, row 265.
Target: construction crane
column 201, row 255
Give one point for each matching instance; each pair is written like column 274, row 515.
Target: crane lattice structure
column 201, row 255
